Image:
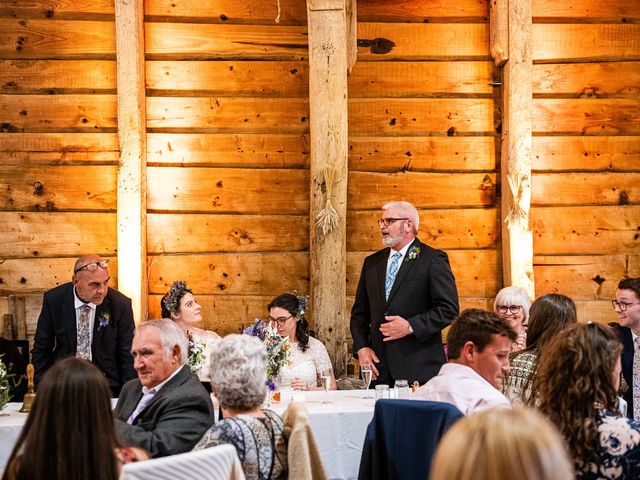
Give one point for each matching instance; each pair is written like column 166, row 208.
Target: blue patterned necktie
column 636, row 379
column 84, row 334
column 391, row 274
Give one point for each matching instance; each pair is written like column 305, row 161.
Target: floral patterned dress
column 201, row 342
column 259, row 442
column 619, row 449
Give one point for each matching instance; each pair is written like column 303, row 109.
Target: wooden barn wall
column 228, row 178
column 586, row 150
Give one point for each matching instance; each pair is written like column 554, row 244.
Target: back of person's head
column 514, row 296
column 238, row 365
column 632, row 284
column 170, row 336
column 476, row 326
column 69, row 434
column 549, row 314
column 575, row 373
column 502, row 444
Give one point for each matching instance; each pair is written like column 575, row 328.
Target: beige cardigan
column 302, row 452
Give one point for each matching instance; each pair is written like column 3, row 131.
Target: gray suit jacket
column 172, row 422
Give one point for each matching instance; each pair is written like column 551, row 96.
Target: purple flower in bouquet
column 278, row 348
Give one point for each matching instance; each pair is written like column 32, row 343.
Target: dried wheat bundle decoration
column 516, row 214
column 328, row 219
column 278, row 16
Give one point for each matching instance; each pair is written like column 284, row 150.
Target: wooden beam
column 132, row 174
column 499, row 31
column 352, row 34
column 517, row 239
column 327, row 25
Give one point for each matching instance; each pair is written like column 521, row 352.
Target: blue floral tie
column 84, row 334
column 391, row 274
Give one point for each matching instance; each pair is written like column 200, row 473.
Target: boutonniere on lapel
column 414, row 252
column 103, row 320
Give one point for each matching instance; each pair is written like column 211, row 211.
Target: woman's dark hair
column 296, row 307
column 69, row 434
column 548, row 315
column 170, row 303
column 575, row 373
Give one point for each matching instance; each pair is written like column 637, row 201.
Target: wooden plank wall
column 586, row 150
column 228, row 178
column 58, row 144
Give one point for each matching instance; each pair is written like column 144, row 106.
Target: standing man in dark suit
column 406, row 295
column 87, row 319
column 166, row 410
column 627, row 307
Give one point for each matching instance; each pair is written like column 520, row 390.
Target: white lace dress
column 305, row 365
column 200, row 344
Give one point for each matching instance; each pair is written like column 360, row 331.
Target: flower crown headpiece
column 171, row 300
column 303, row 302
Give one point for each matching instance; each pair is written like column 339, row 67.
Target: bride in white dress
column 179, row 305
column 309, row 358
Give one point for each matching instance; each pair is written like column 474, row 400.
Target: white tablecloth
column 11, row 422
column 339, row 428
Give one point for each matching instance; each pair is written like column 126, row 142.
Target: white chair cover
column 215, row 463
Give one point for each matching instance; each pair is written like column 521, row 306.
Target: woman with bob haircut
column 309, row 358
column 548, row 315
column 238, row 366
column 70, row 434
column 577, row 382
column 502, row 444
column 512, row 304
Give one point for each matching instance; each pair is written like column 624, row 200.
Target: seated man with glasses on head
column 86, row 319
column 627, row 307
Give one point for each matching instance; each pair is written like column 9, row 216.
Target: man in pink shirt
column 479, row 343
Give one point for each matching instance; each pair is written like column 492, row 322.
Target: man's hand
column 366, row 356
column 395, row 328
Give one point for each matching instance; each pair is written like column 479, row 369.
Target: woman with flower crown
column 179, row 305
column 309, row 359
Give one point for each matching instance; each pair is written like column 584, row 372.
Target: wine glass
column 365, row 371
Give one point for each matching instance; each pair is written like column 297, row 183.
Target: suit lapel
column 69, row 319
column 101, row 309
column 177, row 380
column 405, row 267
column 381, row 271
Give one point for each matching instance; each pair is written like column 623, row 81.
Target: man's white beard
column 390, row 240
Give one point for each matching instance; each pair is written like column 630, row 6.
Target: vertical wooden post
column 517, row 239
column 327, row 25
column 132, row 171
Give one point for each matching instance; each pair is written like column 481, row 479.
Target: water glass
column 402, row 389
column 382, row 391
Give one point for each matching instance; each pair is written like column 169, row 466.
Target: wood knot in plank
column 378, row 46
column 598, row 279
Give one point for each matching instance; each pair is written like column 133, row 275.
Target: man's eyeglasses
column 513, row 309
column 93, row 266
column 385, row 222
column 280, row 321
column 622, row 306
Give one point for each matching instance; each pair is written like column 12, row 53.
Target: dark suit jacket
column 174, row 419
column 425, row 294
column 627, row 363
column 57, row 336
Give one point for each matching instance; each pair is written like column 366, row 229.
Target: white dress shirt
column 462, row 387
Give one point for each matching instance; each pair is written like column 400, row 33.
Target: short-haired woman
column 502, row 444
column 70, row 434
column 309, row 358
column 577, row 382
column 179, row 305
column 548, row 315
column 238, row 366
column 512, row 304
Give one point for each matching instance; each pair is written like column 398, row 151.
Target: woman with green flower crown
column 179, row 305
column 309, row 360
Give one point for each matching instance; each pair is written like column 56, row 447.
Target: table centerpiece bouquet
column 278, row 348
column 7, row 381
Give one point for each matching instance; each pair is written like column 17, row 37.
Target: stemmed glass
column 325, row 378
column 365, row 371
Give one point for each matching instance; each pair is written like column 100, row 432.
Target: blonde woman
column 502, row 444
